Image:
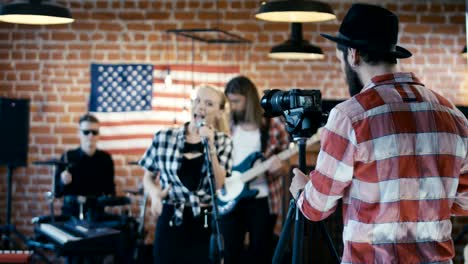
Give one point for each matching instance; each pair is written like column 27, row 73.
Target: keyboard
column 57, row 234
column 77, row 239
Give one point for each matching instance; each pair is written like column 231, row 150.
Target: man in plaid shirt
column 395, row 152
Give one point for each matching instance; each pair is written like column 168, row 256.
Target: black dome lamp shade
column 301, row 11
column 35, row 12
column 296, row 48
column 464, row 54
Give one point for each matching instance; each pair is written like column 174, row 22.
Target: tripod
column 300, row 125
column 295, row 214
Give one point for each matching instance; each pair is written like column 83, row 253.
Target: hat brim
column 399, row 52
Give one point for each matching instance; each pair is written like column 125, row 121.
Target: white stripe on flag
column 208, row 77
column 141, row 143
column 170, row 102
column 129, row 130
column 122, row 117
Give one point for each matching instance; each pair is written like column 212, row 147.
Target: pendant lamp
column 464, row 54
column 296, row 48
column 300, row 11
column 35, row 12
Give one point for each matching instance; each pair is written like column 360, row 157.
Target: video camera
column 302, row 109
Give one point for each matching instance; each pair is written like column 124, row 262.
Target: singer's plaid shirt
column 165, row 155
column 397, row 155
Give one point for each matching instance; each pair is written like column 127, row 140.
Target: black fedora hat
column 370, row 28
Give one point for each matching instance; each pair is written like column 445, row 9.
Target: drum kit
column 137, row 232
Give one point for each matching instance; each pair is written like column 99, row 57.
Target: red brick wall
column 50, row 65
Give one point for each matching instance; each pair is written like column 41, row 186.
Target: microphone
column 202, row 123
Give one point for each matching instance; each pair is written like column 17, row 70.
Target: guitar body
column 234, row 188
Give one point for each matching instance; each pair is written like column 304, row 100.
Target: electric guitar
column 236, row 187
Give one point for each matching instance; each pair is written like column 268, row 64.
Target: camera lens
column 272, row 102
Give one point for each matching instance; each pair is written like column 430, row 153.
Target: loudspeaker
column 14, row 131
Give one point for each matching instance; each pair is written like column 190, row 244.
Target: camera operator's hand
column 298, row 182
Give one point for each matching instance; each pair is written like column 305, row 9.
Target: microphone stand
column 216, row 239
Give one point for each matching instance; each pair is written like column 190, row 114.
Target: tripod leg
column 331, row 247
column 285, row 234
column 298, row 237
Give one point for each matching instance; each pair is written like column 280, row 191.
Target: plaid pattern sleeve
column 278, row 139
column 224, row 151
column 334, row 171
column 148, row 160
column 460, row 206
column 396, row 153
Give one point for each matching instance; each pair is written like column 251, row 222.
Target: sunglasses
column 86, row 132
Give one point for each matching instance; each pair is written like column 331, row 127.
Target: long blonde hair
column 221, row 122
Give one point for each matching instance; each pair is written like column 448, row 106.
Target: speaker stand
column 7, row 230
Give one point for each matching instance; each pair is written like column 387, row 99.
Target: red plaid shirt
column 396, row 154
column 278, row 140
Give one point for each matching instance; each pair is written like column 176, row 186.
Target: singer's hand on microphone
column 208, row 133
column 298, row 182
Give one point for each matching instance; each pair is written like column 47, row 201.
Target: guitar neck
column 284, row 155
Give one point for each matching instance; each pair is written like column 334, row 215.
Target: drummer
column 89, row 173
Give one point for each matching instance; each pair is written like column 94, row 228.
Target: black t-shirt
column 91, row 176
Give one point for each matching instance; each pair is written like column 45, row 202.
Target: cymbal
column 138, row 191
column 52, row 162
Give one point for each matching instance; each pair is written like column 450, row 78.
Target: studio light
column 296, row 48
column 35, row 12
column 300, row 11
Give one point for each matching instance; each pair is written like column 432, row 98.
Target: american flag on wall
column 133, row 101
